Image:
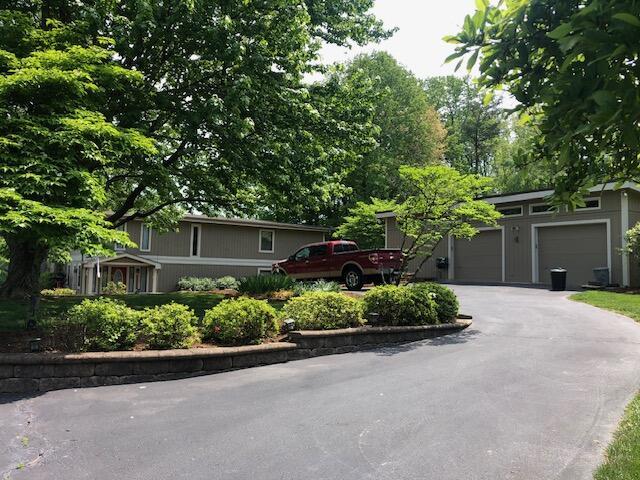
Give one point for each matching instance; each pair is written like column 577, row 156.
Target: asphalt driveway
column 533, row 390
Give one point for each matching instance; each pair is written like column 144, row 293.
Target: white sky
column 418, row 43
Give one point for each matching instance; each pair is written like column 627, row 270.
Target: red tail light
column 373, row 257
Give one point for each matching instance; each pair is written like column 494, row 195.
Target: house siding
column 518, row 236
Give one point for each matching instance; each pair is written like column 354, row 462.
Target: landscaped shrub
column 196, row 284
column 317, row 286
column 227, row 282
column 169, row 326
column 241, row 321
column 114, row 288
column 401, row 305
column 263, row 284
column 444, row 298
column 58, row 292
column 203, row 284
column 101, row 324
column 323, row 311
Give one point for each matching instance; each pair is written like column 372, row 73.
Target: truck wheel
column 353, row 279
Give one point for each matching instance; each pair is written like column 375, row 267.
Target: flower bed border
column 41, row 372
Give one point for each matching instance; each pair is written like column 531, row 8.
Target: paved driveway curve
column 532, row 390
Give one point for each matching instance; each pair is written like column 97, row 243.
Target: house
column 201, row 247
column 533, row 237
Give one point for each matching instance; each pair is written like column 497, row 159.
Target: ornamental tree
column 573, row 68
column 145, row 109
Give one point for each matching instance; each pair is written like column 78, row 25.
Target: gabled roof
column 122, row 259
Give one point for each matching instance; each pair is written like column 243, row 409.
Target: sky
column 418, row 43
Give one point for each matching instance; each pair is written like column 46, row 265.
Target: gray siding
column 518, row 236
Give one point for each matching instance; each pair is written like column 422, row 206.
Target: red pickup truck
column 341, row 260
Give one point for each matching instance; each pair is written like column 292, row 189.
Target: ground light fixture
column 289, row 324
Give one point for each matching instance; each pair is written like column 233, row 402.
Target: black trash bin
column 558, row 279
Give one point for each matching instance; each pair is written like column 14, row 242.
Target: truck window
column 302, row 254
column 318, row 250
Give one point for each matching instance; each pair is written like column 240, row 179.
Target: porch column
column 155, row 281
column 89, row 283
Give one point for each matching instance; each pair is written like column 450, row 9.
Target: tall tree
column 474, row 127
column 573, row 66
column 410, row 132
column 144, row 108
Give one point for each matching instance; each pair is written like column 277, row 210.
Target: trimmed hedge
column 58, row 292
column 323, row 311
column 401, row 305
column 241, row 321
column 169, row 326
column 203, row 284
column 446, row 301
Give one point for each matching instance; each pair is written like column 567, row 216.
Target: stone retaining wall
column 40, row 372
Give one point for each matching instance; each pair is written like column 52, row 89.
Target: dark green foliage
column 573, row 68
column 263, row 284
column 241, row 321
column 362, row 226
column 169, row 326
column 401, row 305
column 103, row 324
column 445, row 300
column 301, row 288
column 323, row 311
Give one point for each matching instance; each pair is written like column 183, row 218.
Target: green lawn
column 623, row 455
column 624, row 303
column 13, row 313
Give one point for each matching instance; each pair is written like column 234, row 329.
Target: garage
column 578, row 248
column 480, row 258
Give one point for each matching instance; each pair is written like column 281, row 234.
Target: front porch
column 140, row 275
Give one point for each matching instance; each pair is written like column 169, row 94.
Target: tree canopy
column 143, row 108
column 474, row 127
column 573, row 67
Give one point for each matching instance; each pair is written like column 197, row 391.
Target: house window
column 145, row 238
column 511, row 211
column 264, row 271
column 120, row 228
column 266, row 241
column 196, row 233
column 542, row 209
column 590, row 204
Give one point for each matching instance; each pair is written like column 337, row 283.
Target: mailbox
column 442, row 263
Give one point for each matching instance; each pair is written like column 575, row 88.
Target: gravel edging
column 41, row 372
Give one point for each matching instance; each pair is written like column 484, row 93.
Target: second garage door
column 479, row 259
column 578, row 248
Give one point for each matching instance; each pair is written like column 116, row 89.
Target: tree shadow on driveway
column 452, row 339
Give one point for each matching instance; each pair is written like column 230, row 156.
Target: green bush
column 401, row 305
column 101, row 324
column 169, row 326
column 58, row 292
column 203, row 284
column 323, row 311
column 446, row 301
column 241, row 321
column 263, row 284
column 114, row 288
column 301, row 288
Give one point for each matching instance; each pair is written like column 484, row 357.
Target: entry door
column 119, row 274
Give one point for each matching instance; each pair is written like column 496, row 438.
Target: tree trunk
column 26, row 256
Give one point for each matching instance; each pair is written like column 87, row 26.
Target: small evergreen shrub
column 227, row 282
column 323, row 311
column 241, row 321
column 401, row 305
column 169, row 326
column 114, row 288
column 263, row 284
column 58, row 292
column 103, row 324
column 446, row 301
column 204, row 284
column 301, row 288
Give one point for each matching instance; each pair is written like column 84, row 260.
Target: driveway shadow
column 452, row 339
